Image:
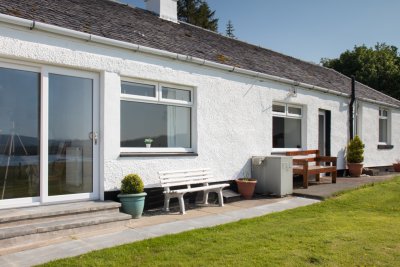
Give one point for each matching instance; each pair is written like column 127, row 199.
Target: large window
column 155, row 111
column 19, row 133
column 286, row 125
column 383, row 126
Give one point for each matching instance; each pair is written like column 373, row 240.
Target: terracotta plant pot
column 355, row 169
column 396, row 167
column 246, row 187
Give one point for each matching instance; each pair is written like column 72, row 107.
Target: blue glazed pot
column 133, row 204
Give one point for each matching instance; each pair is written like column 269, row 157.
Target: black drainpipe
column 351, row 109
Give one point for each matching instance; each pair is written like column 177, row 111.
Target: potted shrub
column 246, row 187
column 148, row 142
column 396, row 165
column 132, row 195
column 355, row 156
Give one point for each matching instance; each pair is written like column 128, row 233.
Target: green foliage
column 197, row 12
column 132, row 184
column 230, row 29
column 377, row 67
column 358, row 228
column 355, row 150
column 148, row 141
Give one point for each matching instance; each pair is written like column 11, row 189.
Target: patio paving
column 325, row 189
column 153, row 224
column 156, row 223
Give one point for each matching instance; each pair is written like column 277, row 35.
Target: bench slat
column 302, row 152
column 194, row 170
column 181, row 179
column 190, row 182
column 194, row 189
column 186, row 174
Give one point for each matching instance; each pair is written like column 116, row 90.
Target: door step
column 23, row 228
column 230, row 196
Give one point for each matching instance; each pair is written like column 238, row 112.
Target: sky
column 309, row 29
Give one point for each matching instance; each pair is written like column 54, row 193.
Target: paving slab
column 158, row 223
column 325, row 189
column 164, row 224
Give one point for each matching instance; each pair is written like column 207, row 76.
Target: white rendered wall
column 233, row 116
column 370, row 136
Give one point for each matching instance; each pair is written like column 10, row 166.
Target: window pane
column 384, row 113
column 19, row 133
column 176, row 94
column 138, row 89
column 70, row 165
column 383, row 130
column 168, row 126
column 286, row 133
column 278, row 108
column 294, row 110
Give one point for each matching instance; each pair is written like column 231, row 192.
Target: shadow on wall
column 245, row 171
column 341, row 155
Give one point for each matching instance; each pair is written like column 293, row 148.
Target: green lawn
column 356, row 228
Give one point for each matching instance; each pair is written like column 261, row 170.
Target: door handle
column 93, row 137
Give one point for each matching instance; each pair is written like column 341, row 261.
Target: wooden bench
column 301, row 165
column 170, row 180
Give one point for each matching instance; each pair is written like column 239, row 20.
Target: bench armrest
column 327, row 159
column 300, row 162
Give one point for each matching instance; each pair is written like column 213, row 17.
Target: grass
column 356, row 228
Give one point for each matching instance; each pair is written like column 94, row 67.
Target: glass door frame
column 23, row 201
column 44, row 130
column 44, row 71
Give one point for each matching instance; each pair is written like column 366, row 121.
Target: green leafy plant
column 132, row 184
column 355, row 150
column 148, row 141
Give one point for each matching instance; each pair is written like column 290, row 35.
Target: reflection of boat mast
column 11, row 152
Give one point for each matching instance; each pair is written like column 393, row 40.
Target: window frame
column 44, row 70
column 288, row 115
column 159, row 100
column 388, row 125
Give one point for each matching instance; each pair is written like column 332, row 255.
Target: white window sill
column 158, row 154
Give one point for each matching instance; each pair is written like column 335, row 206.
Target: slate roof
column 121, row 22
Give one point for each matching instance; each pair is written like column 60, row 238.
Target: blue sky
column 309, row 29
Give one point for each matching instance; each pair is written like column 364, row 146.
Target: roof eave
column 34, row 25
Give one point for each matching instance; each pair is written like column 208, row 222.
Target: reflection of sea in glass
column 70, row 124
column 19, row 133
column 167, row 125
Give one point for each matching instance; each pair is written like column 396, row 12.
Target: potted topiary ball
column 355, row 156
column 132, row 195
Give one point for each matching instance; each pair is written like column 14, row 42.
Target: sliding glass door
column 49, row 121
column 70, row 156
column 19, row 133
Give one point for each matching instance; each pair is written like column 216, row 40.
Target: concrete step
column 230, row 196
column 45, row 211
column 29, row 227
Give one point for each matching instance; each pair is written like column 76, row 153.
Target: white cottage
column 84, row 83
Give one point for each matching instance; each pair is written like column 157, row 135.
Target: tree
column 230, row 29
column 377, row 67
column 197, row 12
